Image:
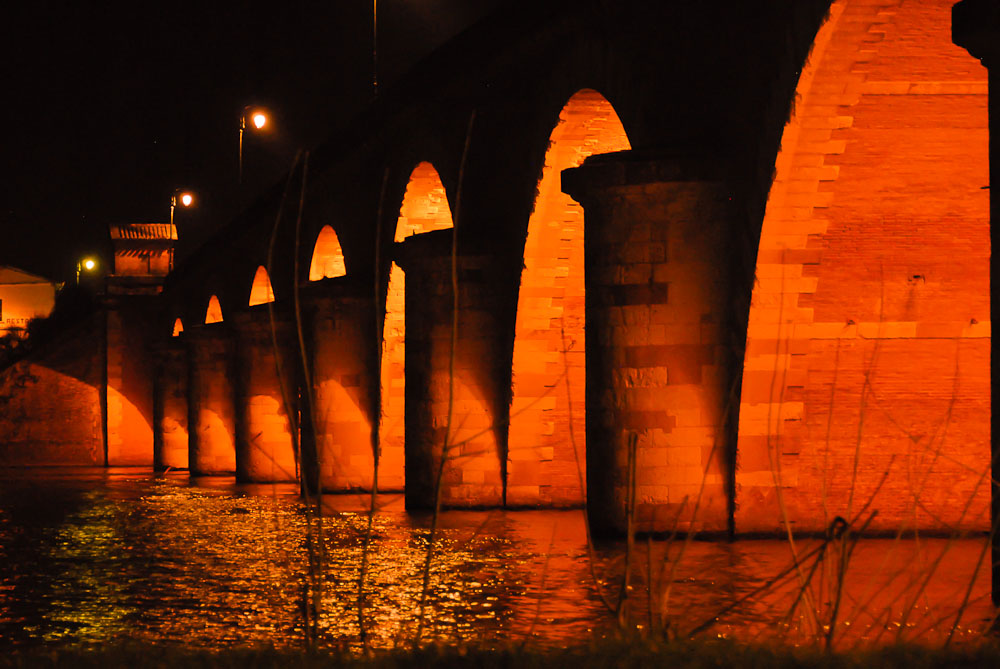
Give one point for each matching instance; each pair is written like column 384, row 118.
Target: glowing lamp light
column 258, row 120
column 187, row 199
column 84, row 265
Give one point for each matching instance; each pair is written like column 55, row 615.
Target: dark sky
column 108, row 107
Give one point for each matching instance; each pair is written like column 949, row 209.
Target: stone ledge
column 633, row 168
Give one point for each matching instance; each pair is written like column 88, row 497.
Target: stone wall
column 50, row 403
column 866, row 381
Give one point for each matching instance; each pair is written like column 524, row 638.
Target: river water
column 97, row 556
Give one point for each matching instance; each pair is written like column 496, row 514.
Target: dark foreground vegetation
column 608, row 654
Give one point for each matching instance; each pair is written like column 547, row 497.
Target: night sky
column 109, row 107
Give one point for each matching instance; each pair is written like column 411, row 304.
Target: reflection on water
column 97, row 556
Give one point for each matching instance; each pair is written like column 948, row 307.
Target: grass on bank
column 635, row 655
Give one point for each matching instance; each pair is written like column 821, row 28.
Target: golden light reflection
column 112, row 556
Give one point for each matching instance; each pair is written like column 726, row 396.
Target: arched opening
column 214, row 312
column 328, row 257
column 260, row 291
column 178, row 328
column 546, row 447
column 424, row 209
column 866, row 375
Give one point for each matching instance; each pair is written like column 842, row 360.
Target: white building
column 23, row 296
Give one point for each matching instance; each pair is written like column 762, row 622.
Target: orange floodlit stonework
column 170, row 404
column 862, row 380
column 212, row 413
column 213, row 314
column 267, row 398
column 866, row 377
column 328, row 258
column 424, row 209
column 547, row 442
column 260, row 290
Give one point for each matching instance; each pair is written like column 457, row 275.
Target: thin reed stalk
column 315, row 541
column 630, row 489
column 591, row 557
column 376, row 431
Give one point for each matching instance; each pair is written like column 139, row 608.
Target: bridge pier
column 211, row 401
column 450, row 395
column 659, row 294
column 265, row 431
column 170, row 405
column 128, row 374
column 343, row 348
column 976, row 27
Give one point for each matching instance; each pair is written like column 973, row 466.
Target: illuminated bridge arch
column 261, row 291
column 328, row 257
column 178, row 327
column 424, row 209
column 866, row 343
column 546, row 443
column 213, row 314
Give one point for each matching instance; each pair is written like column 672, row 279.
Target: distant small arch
column 425, row 204
column 328, row 257
column 178, row 327
column 214, row 312
column 260, row 291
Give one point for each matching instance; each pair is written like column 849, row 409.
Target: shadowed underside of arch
column 424, row 209
column 546, row 446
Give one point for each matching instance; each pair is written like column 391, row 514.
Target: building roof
column 12, row 275
column 144, row 231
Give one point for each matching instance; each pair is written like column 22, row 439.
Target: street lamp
column 258, row 120
column 85, row 265
column 180, row 197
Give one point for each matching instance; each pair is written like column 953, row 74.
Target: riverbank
column 635, row 655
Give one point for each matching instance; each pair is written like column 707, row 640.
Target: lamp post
column 180, row 197
column 84, row 264
column 258, row 120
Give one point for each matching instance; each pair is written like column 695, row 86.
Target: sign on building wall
column 23, row 296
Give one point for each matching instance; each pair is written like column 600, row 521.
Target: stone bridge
column 702, row 265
